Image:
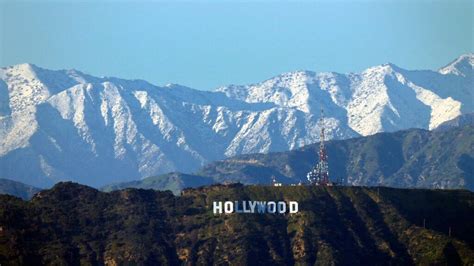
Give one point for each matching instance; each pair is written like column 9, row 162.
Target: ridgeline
column 75, row 224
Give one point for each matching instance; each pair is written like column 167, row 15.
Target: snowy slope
column 66, row 125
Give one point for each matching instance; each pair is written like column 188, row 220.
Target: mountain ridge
column 334, row 225
column 17, row 189
column 413, row 158
column 67, row 125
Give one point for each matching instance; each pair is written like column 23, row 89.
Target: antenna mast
column 319, row 175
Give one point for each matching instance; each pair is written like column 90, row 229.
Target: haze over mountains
column 66, row 125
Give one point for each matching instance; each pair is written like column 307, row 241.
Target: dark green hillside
column 16, row 188
column 412, row 158
column 74, row 224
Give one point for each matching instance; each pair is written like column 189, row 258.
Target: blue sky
column 206, row 44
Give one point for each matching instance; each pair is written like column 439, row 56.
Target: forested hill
column 74, row 224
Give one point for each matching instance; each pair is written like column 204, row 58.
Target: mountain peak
column 392, row 66
column 288, row 77
column 461, row 66
column 386, row 68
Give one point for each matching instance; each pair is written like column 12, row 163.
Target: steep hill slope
column 73, row 224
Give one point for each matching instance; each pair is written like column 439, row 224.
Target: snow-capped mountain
column 66, row 125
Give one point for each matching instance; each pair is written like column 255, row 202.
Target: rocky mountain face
column 77, row 225
column 66, row 125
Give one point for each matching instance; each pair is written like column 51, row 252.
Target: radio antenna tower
column 319, row 175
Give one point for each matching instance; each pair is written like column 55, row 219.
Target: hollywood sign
column 273, row 207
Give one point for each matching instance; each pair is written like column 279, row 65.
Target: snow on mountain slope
column 381, row 98
column 66, row 125
column 22, row 88
column 461, row 66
